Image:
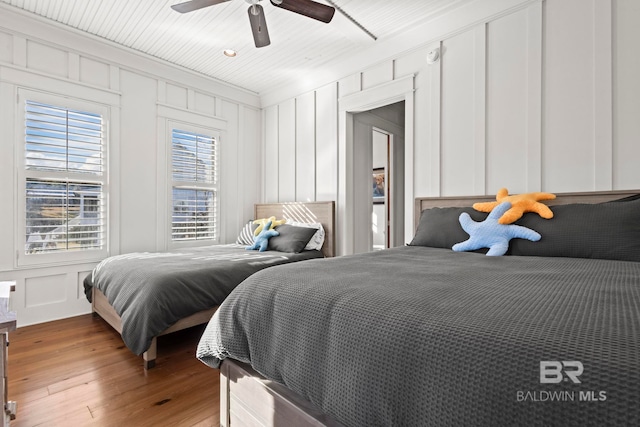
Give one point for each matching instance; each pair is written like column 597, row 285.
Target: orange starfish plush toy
column 520, row 204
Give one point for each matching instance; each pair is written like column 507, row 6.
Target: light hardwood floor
column 78, row 372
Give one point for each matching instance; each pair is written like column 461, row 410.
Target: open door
column 379, row 173
column 381, row 194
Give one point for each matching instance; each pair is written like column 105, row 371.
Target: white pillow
column 317, row 240
column 245, row 237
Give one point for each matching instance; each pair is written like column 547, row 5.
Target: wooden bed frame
column 247, row 398
column 322, row 212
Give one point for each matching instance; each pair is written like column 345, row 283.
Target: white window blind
column 194, row 191
column 64, row 172
column 58, row 139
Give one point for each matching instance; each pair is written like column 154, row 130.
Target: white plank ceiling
column 196, row 40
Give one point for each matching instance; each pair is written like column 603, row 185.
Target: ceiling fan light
column 277, row 2
column 258, row 26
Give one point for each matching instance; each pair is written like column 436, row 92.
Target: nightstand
column 7, row 324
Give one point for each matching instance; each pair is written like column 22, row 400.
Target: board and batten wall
column 144, row 97
column 540, row 97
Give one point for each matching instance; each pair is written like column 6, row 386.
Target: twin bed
column 548, row 334
column 146, row 295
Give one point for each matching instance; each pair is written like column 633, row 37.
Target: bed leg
column 149, row 356
column 224, row 395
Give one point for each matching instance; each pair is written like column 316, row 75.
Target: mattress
column 423, row 336
column 151, row 291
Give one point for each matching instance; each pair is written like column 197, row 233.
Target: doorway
column 379, row 174
column 353, row 208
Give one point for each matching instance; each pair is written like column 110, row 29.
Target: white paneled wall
column 458, row 102
column 326, row 125
column 541, row 97
column 569, row 97
column 300, row 144
column 286, row 152
column 513, row 101
column 142, row 95
column 137, row 143
column 626, row 92
column 377, row 75
column 249, row 170
column 272, row 155
column 305, row 146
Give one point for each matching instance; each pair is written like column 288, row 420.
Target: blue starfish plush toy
column 261, row 241
column 491, row 234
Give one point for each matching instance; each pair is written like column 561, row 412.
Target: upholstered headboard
column 422, row 203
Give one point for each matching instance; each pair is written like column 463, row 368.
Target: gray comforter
column 418, row 336
column 151, row 291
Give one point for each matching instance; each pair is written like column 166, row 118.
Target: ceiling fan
column 257, row 20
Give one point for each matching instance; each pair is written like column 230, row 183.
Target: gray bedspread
column 418, row 336
column 151, row 291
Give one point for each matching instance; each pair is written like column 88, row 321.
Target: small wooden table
column 7, row 324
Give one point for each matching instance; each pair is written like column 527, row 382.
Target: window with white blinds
column 64, row 179
column 194, row 186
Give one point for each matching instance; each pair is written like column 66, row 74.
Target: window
column 64, row 180
column 194, row 188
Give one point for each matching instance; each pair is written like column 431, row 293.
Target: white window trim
column 200, row 130
column 24, row 260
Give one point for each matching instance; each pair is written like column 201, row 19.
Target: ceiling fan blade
column 258, row 26
column 190, row 6
column 308, row 8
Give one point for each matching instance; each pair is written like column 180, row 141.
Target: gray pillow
column 626, row 199
column 440, row 227
column 291, row 238
column 602, row 231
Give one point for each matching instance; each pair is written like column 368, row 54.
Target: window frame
column 213, row 133
column 65, row 257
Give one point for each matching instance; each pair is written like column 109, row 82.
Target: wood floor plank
column 77, row 372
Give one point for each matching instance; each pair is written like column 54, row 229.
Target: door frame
column 398, row 90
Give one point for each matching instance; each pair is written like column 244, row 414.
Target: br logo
column 553, row 372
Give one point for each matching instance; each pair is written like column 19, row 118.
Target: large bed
column 146, row 295
column 548, row 334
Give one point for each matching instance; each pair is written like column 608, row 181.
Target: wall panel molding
column 458, row 20
column 480, row 108
column 306, row 147
column 434, row 123
column 54, row 84
column 603, row 94
column 69, row 39
column 270, row 159
column 534, row 97
column 286, row 152
column 326, row 134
